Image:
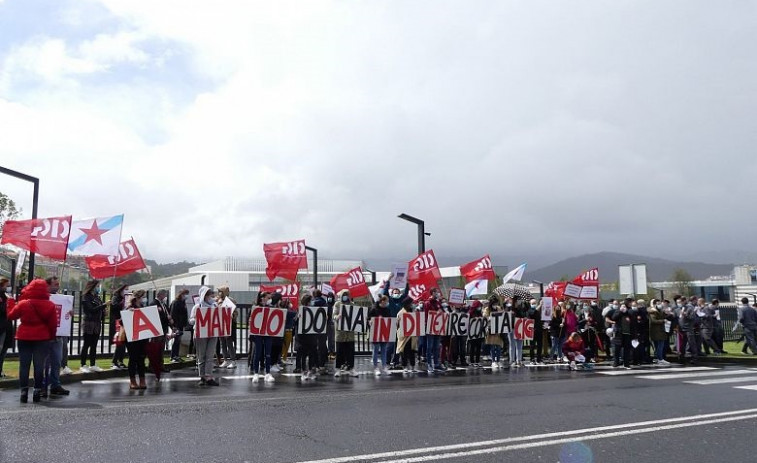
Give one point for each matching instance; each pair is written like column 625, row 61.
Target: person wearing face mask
column 748, row 319
column 321, row 339
column 6, row 326
column 206, row 347
column 330, row 335
column 396, row 301
column 228, row 343
column 180, row 316
column 707, row 316
column 657, row 333
column 407, row 345
column 433, row 304
column 117, row 304
column 688, row 322
column 155, row 346
column 345, row 340
column 288, row 337
column 557, row 334
column 588, row 326
column 718, row 333
column 459, row 344
column 137, row 349
column 624, row 319
column 380, row 309
column 475, row 341
column 535, row 348
column 93, row 309
column 307, row 352
column 445, row 341
column 641, row 351
column 494, row 340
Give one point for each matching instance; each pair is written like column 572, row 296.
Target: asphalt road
column 544, row 415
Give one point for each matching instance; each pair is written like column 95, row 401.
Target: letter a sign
column 141, row 323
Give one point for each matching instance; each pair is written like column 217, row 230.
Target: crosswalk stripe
column 752, row 387
column 696, row 375
column 742, row 379
column 664, row 370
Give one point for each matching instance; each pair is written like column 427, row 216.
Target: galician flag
column 515, row 275
column 477, row 287
column 97, row 236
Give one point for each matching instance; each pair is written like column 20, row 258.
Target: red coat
column 36, row 313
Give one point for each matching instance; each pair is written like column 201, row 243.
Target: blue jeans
column 28, row 352
column 556, row 350
column 659, row 349
column 432, row 350
column 379, row 351
column 52, row 376
column 496, row 352
column 262, row 350
column 515, row 348
column 390, row 348
column 176, row 344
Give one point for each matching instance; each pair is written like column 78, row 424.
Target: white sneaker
column 115, row 367
column 275, row 369
column 225, row 364
column 66, row 371
column 95, row 369
column 338, row 373
column 269, row 378
column 305, row 375
column 353, row 373
column 495, row 365
column 406, row 370
column 385, row 371
column 377, row 371
column 572, row 365
column 232, row 365
column 313, row 375
column 255, row 378
column 84, row 369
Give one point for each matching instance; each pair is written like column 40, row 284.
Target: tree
column 682, row 282
column 8, row 210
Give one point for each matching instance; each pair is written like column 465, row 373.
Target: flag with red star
column 97, row 236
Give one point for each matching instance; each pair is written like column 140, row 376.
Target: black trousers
column 536, row 345
column 307, row 354
column 408, row 354
column 345, row 355
column 474, row 350
column 322, row 341
column 623, row 345
column 88, row 348
column 137, row 354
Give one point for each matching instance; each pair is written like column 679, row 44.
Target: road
column 542, row 415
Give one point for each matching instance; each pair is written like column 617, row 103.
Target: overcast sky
column 512, row 128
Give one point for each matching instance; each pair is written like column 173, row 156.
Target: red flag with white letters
column 289, row 291
column 588, row 278
column 420, row 289
column 423, row 267
column 480, row 269
column 46, row 237
column 353, row 281
column 128, row 260
column 285, row 259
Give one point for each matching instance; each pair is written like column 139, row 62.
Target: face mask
column 508, row 305
column 659, row 306
column 143, row 301
column 345, row 299
column 445, row 306
column 533, row 306
column 330, row 300
column 395, row 295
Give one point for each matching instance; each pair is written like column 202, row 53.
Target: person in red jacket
column 37, row 328
column 576, row 351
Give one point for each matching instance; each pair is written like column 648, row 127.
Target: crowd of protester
column 578, row 333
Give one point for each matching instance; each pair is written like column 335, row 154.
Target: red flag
column 588, row 278
column 352, row 281
column 128, row 260
column 289, row 291
column 285, row 259
column 556, row 290
column 420, row 289
column 480, row 269
column 423, row 265
column 47, row 237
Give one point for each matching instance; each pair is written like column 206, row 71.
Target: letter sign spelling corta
column 413, row 324
column 353, row 318
column 268, row 321
column 383, row 329
column 143, row 323
column 313, row 320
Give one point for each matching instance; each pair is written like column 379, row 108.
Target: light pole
column 35, row 201
column 421, row 231
column 541, row 287
column 315, row 265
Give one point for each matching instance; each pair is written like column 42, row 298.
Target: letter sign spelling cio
column 268, row 321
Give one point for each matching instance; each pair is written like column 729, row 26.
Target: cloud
column 507, row 127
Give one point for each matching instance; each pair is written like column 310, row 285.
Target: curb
column 107, row 374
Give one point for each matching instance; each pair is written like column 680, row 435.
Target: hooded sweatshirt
column 36, row 313
column 203, row 303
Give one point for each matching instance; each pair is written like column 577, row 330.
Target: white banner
column 143, row 323
column 64, row 313
column 547, row 307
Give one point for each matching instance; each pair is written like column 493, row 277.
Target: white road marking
column 743, row 379
column 698, row 375
column 577, row 435
column 636, row 372
column 749, row 388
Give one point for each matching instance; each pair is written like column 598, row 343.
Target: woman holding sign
column 93, row 309
column 494, row 340
column 205, row 347
column 345, row 340
column 137, row 349
column 407, row 345
column 381, row 309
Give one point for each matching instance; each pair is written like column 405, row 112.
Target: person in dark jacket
column 137, row 349
column 307, row 352
column 116, row 306
column 396, row 301
column 38, row 326
column 535, row 348
column 748, row 319
column 155, row 346
column 557, row 334
column 321, row 339
column 624, row 329
column 93, row 309
column 6, row 327
column 180, row 317
column 380, row 309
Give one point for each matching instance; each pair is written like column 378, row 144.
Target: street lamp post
column 421, row 231
column 315, row 265
column 541, row 287
column 35, row 202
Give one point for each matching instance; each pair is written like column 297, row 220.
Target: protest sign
column 142, row 323
column 383, row 329
column 312, row 320
column 436, row 323
column 458, row 324
column 547, row 308
column 523, row 329
column 589, row 292
column 353, row 318
column 476, row 327
column 500, row 323
column 399, row 276
column 268, row 321
column 213, row 322
column 413, row 324
column 64, row 313
column 327, row 289
column 572, row 290
column 456, row 297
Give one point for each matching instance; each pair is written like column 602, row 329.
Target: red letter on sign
column 142, row 323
